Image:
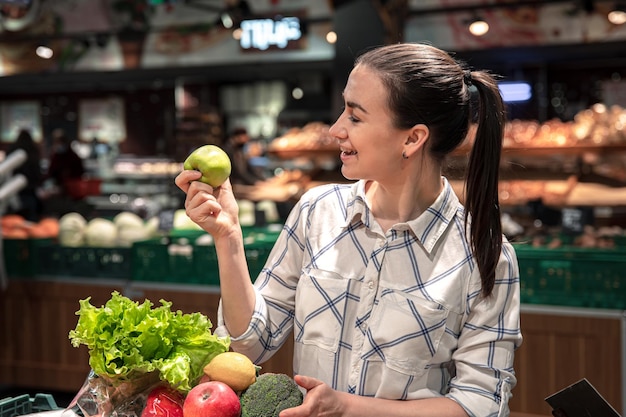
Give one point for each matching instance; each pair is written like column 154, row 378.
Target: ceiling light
column 297, row 93
column 478, row 27
column 44, row 51
column 617, row 16
column 227, row 20
column 515, row 91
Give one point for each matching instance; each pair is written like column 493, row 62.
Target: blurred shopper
column 29, row 202
column 238, row 149
column 65, row 164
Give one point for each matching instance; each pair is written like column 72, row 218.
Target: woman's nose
column 336, row 130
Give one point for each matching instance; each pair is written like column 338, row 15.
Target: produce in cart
column 154, row 362
column 133, row 348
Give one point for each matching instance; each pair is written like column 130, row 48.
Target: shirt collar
column 428, row 227
column 356, row 206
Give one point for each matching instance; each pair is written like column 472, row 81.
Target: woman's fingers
column 201, row 201
column 186, row 177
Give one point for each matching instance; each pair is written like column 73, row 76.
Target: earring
column 404, row 155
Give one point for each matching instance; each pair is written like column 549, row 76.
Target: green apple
column 212, row 162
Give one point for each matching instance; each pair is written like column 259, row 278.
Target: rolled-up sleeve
column 487, row 343
column 247, row 343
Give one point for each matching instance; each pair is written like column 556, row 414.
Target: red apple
column 164, row 401
column 211, row 399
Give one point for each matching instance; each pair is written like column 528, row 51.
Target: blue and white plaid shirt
column 395, row 315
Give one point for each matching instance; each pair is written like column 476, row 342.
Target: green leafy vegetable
column 126, row 339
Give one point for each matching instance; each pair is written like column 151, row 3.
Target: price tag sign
column 166, row 220
column 574, row 220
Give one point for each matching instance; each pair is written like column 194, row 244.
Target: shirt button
column 370, row 285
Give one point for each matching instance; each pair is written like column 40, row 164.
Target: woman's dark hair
column 427, row 86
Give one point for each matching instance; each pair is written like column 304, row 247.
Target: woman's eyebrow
column 354, row 105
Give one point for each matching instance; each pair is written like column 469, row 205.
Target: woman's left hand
column 320, row 400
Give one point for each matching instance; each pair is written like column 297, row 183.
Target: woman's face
column 371, row 147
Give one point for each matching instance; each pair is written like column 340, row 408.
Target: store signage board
column 102, row 119
column 580, row 399
column 276, row 33
column 18, row 115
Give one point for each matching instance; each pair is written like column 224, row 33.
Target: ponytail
column 481, row 185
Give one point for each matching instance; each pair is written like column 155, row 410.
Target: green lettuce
column 127, row 339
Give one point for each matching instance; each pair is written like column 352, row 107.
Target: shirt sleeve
column 491, row 334
column 275, row 288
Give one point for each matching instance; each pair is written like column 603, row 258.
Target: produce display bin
column 24, row 404
column 172, row 260
column 180, row 258
column 573, row 276
column 20, row 256
column 84, row 261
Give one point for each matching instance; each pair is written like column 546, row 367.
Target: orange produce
column 11, row 220
column 49, row 227
column 15, row 233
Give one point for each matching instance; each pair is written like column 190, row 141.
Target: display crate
column 180, row 259
column 172, row 260
column 20, row 256
column 24, row 404
column 573, row 276
column 84, row 261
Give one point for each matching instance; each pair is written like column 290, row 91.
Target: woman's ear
column 418, row 135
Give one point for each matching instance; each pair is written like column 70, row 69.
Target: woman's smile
column 347, row 154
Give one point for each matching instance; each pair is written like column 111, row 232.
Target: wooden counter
column 561, row 345
column 565, row 344
column 36, row 317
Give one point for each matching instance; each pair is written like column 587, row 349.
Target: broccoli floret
column 269, row 395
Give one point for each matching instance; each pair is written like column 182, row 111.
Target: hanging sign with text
column 280, row 32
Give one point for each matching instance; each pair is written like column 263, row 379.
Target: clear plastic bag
column 107, row 397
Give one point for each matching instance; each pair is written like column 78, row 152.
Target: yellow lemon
column 234, row 369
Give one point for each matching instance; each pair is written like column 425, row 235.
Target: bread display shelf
column 576, row 150
column 577, row 163
column 520, row 192
column 263, row 191
column 572, row 189
column 587, row 194
column 312, row 141
column 305, row 153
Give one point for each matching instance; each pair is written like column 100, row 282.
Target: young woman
column 402, row 302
